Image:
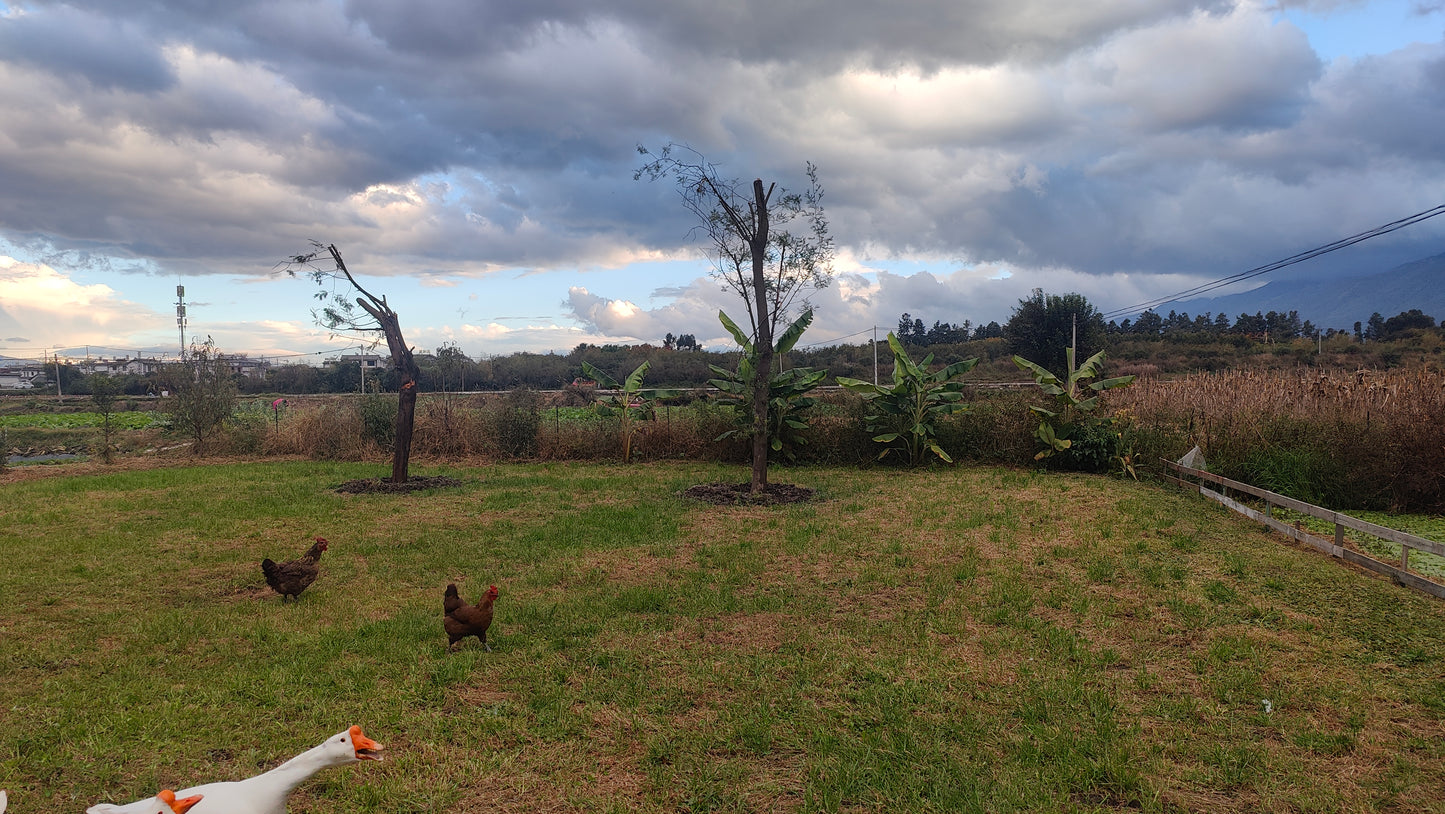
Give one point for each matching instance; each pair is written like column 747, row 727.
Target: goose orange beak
column 180, row 806
column 366, row 748
column 184, row 804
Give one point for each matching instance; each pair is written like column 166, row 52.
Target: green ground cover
column 129, row 420
column 969, row 639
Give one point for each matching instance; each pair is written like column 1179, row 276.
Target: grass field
column 970, row 639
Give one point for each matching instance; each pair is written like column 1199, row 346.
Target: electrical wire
column 1278, row 264
column 835, row 339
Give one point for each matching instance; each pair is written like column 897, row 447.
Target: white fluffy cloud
column 41, row 307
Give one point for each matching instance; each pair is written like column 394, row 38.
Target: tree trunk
column 402, row 361
column 763, row 371
column 405, row 418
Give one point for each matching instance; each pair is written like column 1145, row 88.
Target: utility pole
column 875, row 355
column 181, row 317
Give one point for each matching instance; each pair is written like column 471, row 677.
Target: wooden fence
column 1336, row 548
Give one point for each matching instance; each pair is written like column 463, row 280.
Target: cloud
column 862, row 299
column 49, row 308
column 1110, row 146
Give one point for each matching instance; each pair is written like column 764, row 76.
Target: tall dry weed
column 330, row 430
column 1355, row 439
column 450, row 428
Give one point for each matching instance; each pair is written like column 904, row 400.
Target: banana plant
column 1075, row 399
column 909, row 409
column 788, row 397
column 627, row 400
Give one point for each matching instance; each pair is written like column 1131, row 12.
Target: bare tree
column 338, row 312
column 769, row 267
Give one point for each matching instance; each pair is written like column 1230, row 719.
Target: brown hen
column 289, row 579
column 461, row 620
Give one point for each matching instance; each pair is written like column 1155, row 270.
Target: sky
column 474, row 160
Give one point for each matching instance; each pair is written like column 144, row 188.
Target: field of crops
column 131, row 420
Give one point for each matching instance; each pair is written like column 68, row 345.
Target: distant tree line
column 911, row 331
column 1039, row 329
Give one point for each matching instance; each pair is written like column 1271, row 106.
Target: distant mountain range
column 1340, row 302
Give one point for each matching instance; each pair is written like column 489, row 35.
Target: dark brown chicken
column 462, row 620
column 289, row 579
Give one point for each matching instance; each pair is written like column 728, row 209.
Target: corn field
column 1345, row 439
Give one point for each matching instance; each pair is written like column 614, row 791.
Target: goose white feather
column 267, row 793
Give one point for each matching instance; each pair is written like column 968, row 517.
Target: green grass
column 973, row 639
column 1427, row 526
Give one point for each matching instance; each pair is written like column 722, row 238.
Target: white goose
column 267, row 793
column 165, row 802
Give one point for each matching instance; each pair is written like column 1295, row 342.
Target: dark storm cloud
column 452, row 136
column 102, row 51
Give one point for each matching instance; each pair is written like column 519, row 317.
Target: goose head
column 351, row 746
column 165, row 802
column 176, row 805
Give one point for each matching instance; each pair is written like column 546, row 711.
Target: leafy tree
column 1085, row 441
column 453, row 363
column 907, row 411
column 104, row 390
column 626, row 401
column 1411, row 320
column 788, row 391
column 905, row 328
column 992, row 330
column 1255, row 325
column 295, row 379
column 338, row 312
column 943, row 333
column 203, row 393
column 1282, row 327
column 1149, row 324
column 1375, row 327
column 771, row 268
column 1043, row 325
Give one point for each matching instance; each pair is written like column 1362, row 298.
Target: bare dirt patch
column 749, row 632
column 730, row 494
column 415, row 483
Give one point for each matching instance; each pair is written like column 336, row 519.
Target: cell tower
column 181, row 317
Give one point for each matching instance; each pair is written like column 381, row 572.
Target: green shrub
column 378, row 418
column 513, row 423
column 998, row 428
column 244, row 433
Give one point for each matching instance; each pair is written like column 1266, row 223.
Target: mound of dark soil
column 415, row 483
column 726, row 494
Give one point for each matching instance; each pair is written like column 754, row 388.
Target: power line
column 835, row 339
column 1279, row 264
